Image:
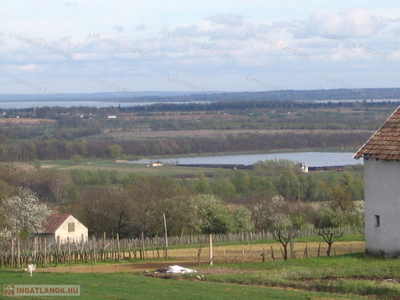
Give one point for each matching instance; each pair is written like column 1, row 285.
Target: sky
column 89, row 46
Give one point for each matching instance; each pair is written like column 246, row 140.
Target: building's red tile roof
column 53, row 222
column 385, row 142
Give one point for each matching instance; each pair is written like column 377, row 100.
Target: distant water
column 311, row 159
column 31, row 104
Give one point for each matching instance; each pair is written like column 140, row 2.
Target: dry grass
column 222, row 254
column 24, row 121
column 142, row 135
column 252, row 253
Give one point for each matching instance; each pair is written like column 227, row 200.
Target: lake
column 98, row 104
column 311, row 159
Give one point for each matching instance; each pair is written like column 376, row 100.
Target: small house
column 381, row 155
column 157, row 164
column 64, row 226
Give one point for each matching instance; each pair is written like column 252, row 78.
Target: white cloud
column 348, row 23
column 223, row 27
column 140, row 27
column 307, row 53
column 233, row 20
column 118, row 28
column 69, row 4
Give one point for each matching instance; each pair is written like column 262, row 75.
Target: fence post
column 12, row 252
column 19, row 252
column 166, row 236
column 94, row 250
column 291, row 245
column 45, row 251
column 58, row 243
column 211, row 251
column 119, row 254
column 69, row 252
column 143, row 247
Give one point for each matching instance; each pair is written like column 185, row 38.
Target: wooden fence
column 43, row 251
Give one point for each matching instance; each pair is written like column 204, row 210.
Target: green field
column 134, row 286
column 349, row 276
column 126, row 168
column 346, row 274
column 166, row 170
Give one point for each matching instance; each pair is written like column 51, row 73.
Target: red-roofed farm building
column 381, row 154
column 64, row 226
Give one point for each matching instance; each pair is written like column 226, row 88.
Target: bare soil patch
column 20, row 121
column 112, row 268
column 132, row 135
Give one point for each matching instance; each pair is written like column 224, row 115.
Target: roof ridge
column 383, row 138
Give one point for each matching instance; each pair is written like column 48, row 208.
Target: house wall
column 382, row 198
column 75, row 235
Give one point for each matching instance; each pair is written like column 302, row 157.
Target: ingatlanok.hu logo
column 41, row 290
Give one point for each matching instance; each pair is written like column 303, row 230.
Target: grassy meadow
column 127, row 168
column 351, row 275
column 136, row 286
column 346, row 274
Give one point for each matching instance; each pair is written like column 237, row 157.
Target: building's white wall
column 75, row 236
column 382, row 197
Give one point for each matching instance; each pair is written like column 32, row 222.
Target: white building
column 64, row 226
column 157, row 163
column 381, row 154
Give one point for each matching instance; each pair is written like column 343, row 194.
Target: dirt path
column 112, row 268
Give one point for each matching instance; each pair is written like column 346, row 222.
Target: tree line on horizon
column 60, row 149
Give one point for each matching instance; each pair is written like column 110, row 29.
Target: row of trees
column 138, row 209
column 280, row 177
column 276, row 120
column 59, row 149
column 141, row 204
column 138, row 206
column 227, row 102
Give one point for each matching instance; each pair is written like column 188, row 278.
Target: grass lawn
column 350, row 273
column 134, row 286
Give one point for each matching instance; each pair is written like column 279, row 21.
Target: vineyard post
column 211, row 251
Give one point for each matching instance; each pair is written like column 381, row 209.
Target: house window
column 71, row 227
column 377, row 221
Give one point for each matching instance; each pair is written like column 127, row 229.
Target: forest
column 233, row 127
column 272, row 195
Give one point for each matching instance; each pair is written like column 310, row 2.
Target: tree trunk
column 285, row 254
column 328, row 252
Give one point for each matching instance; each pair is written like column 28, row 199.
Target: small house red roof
column 53, row 222
column 385, row 142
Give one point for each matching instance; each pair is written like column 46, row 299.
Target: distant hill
column 177, row 96
column 134, row 96
column 298, row 95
